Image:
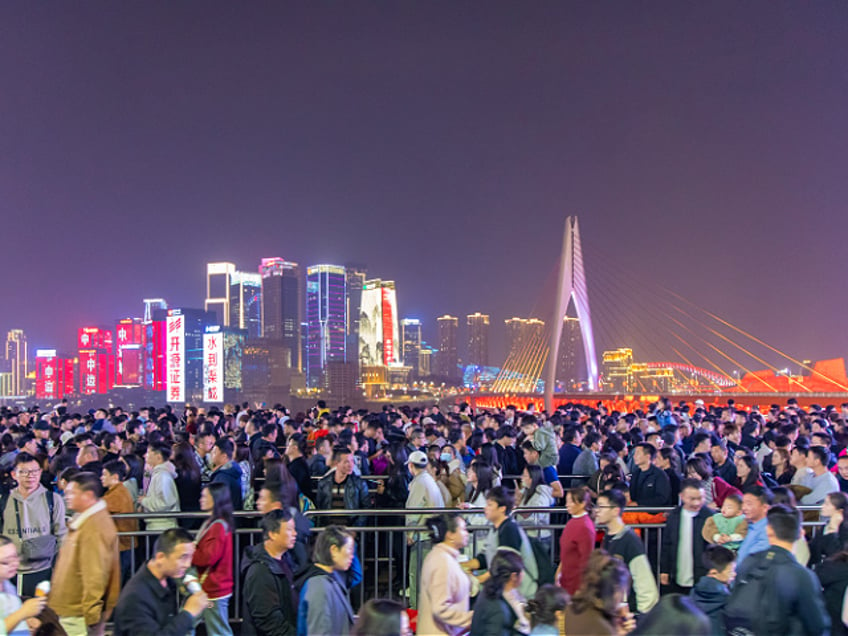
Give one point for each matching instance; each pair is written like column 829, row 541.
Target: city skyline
column 702, row 145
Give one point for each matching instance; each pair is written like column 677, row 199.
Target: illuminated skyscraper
column 326, row 320
column 155, row 312
column 246, row 303
column 478, row 339
column 96, row 360
column 129, row 343
column 571, row 368
column 16, row 361
column 520, row 333
column 355, row 280
column 618, row 370
column 281, row 305
column 218, row 283
column 411, row 337
column 448, row 358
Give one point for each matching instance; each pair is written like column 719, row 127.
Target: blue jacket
column 324, row 608
column 710, row 595
column 230, row 474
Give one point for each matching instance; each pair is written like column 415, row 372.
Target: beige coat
column 87, row 577
column 445, row 593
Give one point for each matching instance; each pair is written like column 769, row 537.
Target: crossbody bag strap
column 18, row 519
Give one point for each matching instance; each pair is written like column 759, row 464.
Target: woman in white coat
column 443, row 605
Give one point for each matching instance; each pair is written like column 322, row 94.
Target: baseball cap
column 417, row 458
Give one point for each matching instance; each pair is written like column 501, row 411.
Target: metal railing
column 382, row 548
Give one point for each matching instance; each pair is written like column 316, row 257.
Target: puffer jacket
column 162, row 496
column 230, row 474
column 710, row 595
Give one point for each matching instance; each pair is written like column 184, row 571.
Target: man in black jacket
column 649, row 485
column 147, row 603
column 342, row 490
column 225, row 470
column 269, row 597
column 681, row 558
column 774, row 594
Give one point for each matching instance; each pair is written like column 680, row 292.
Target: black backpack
column 745, row 607
column 544, row 567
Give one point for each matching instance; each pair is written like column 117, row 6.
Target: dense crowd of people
column 724, row 484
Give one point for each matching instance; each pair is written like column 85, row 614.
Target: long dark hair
column 536, row 480
column 753, row 478
column 183, row 460
column 505, row 563
column 485, row 479
column 136, row 468
column 605, row 580
column 222, row 503
column 279, row 479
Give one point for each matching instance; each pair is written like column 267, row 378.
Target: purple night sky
column 702, row 145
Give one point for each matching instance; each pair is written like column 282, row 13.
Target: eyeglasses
column 29, row 473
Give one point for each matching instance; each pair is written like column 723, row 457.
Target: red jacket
column 721, row 489
column 213, row 558
column 576, row 544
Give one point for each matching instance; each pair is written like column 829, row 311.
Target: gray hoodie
column 162, row 496
column 35, row 522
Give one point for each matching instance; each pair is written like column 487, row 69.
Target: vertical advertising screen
column 175, row 358
column 213, row 367
column 88, row 371
column 371, row 326
column 46, row 377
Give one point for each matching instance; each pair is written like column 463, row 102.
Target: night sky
column 702, row 145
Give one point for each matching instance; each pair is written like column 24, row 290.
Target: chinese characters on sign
column 213, row 367
column 175, row 359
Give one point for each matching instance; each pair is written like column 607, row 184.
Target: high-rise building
column 184, row 352
column 281, row 305
column 571, row 367
column 246, row 303
column 411, row 336
column 266, row 371
column 96, row 360
column 54, row 375
column 379, row 342
column 618, row 370
column 478, row 339
column 218, row 283
column 521, row 333
column 129, row 350
column 16, row 357
column 326, row 320
column 355, row 276
column 425, row 355
column 448, row 358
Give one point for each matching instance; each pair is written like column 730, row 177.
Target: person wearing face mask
column 455, row 475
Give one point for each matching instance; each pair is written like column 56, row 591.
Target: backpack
column 544, row 567
column 744, row 608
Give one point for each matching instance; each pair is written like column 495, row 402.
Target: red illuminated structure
column 129, row 343
column 96, row 360
column 54, row 375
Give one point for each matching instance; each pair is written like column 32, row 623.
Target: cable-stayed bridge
column 657, row 343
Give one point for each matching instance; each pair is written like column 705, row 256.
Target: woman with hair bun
column 445, row 587
column 547, row 610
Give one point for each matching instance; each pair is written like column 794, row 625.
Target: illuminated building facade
column 281, row 305
column 193, row 325
column 218, row 283
column 618, row 370
column 246, row 303
column 478, row 339
column 447, row 361
column 355, row 276
column 17, row 365
column 153, row 354
column 326, row 320
column 129, row 352
column 54, row 375
column 96, row 360
column 571, row 373
column 520, row 333
column 411, row 337
column 379, row 343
